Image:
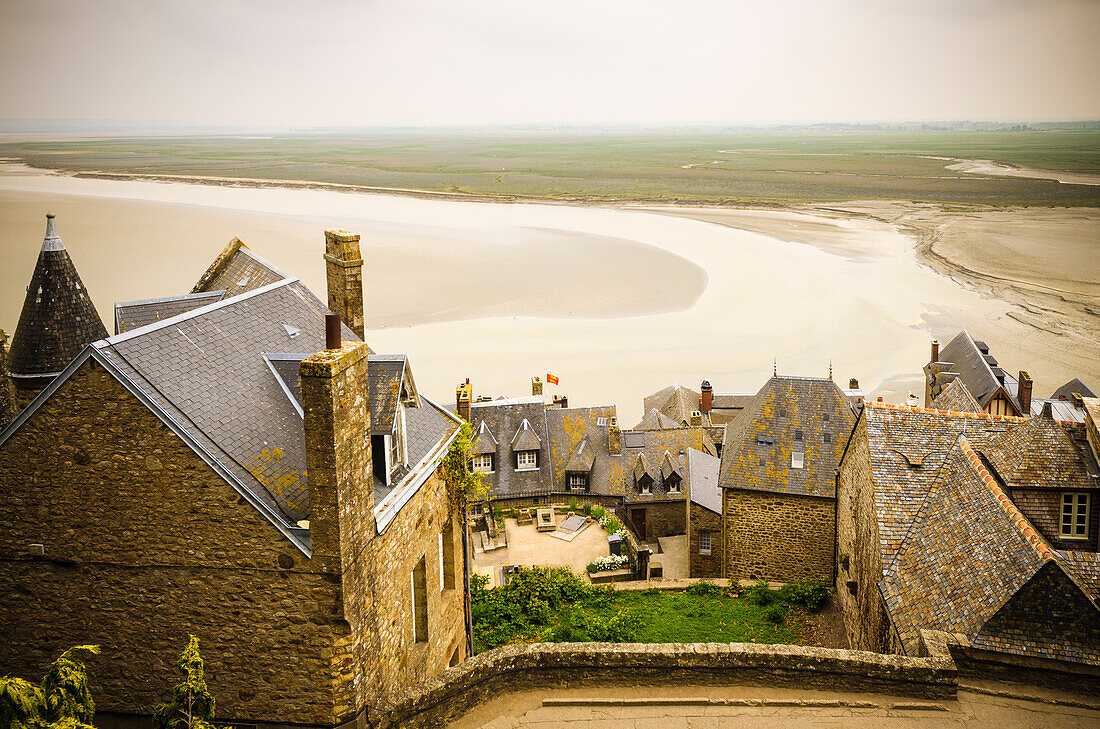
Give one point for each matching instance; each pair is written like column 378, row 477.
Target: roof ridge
column 936, row 411
column 1030, row 534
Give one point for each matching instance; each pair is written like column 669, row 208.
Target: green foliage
column 704, row 587
column 553, row 605
column 573, row 505
column 192, row 705
column 463, row 485
column 587, row 509
column 776, row 613
column 810, row 593
column 62, row 701
column 761, row 595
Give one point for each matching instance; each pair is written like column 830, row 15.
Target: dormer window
column 672, row 483
column 578, row 481
column 1075, row 516
column 645, row 485
column 483, row 463
column 527, row 460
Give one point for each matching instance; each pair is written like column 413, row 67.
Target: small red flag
column 551, row 379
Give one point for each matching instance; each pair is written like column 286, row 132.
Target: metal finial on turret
column 830, row 370
column 775, row 367
column 52, row 241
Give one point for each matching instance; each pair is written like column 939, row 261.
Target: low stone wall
column 568, row 665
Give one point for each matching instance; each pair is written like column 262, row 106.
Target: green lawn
column 691, row 166
column 554, row 606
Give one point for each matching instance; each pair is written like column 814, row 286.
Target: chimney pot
column 706, row 397
column 333, row 337
column 536, row 385
column 935, row 350
column 564, row 401
column 1048, row 411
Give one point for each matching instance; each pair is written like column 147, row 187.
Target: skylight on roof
column 292, row 332
column 798, row 459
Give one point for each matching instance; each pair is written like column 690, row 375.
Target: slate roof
column 979, row 371
column 702, row 472
column 1039, row 453
column 217, row 377
column 135, row 314
column 237, row 270
column 957, row 398
column 526, row 439
column 758, row 446
column 726, row 406
column 656, row 420
column 494, row 423
column 906, row 449
column 969, row 552
column 657, row 450
column 675, row 402
column 566, row 428
column 58, row 319
column 1073, row 386
column 582, row 458
column 1065, row 411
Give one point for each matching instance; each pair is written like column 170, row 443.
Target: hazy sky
column 438, row 62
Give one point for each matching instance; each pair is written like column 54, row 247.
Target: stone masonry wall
column 412, row 535
column 704, row 565
column 859, row 554
column 777, row 537
column 573, row 665
column 144, row 544
column 662, row 518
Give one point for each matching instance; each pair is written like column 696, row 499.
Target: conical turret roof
column 58, row 318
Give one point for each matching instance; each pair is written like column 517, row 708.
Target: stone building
column 8, row 407
column 777, row 480
column 981, row 527
column 704, row 518
column 58, row 320
column 214, row 471
column 995, row 390
column 533, row 453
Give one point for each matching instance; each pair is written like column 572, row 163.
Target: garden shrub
column 776, row 613
column 810, row 593
column 762, row 595
column 704, row 587
column 587, row 509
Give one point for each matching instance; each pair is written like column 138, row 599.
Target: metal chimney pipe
column 333, row 338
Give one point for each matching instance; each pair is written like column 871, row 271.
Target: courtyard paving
column 529, row 547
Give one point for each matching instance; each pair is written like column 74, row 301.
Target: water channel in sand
column 616, row 302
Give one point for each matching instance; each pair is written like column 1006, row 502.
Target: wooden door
column 637, row 518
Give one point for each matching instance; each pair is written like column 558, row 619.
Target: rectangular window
column 827, row 437
column 483, row 463
column 798, row 435
column 601, row 421
column 798, row 459
column 1075, row 516
column 447, row 556
column 578, row 481
column 420, row 602
column 704, row 542
column 826, row 417
column 527, row 459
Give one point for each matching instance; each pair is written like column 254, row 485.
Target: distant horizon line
column 9, row 126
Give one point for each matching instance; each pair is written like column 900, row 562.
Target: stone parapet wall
column 571, row 665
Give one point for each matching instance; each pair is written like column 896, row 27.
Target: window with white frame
column 798, row 459
column 705, row 541
column 483, row 463
column 1075, row 516
column 578, row 481
column 527, row 459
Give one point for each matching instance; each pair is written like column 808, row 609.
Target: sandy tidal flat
column 618, row 303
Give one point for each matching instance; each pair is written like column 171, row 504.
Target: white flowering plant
column 610, row 562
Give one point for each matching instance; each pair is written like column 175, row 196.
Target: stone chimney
column 706, row 397
column 935, row 351
column 696, row 419
column 853, row 384
column 464, row 395
column 1023, row 394
column 536, row 386
column 614, row 437
column 338, row 456
column 344, row 266
column 564, row 401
